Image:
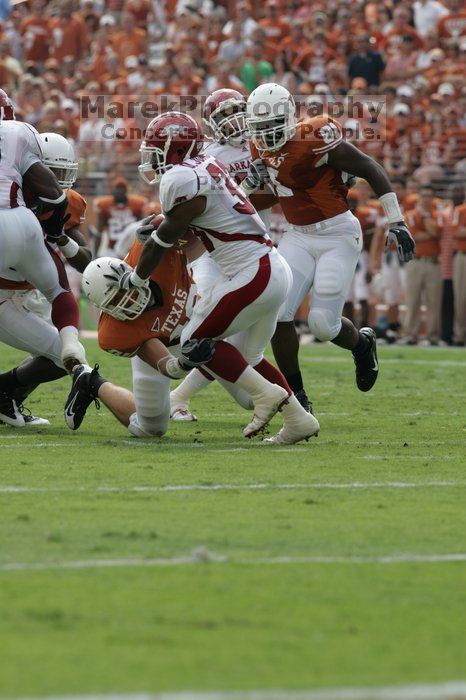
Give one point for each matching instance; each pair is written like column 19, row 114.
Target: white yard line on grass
column 177, row 488
column 451, row 690
column 202, row 555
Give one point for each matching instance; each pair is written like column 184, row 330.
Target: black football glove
column 144, row 231
column 256, row 176
column 53, row 226
column 195, row 353
column 400, row 235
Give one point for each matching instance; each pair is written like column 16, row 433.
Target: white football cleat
column 291, row 434
column 182, row 414
column 265, row 407
column 34, row 421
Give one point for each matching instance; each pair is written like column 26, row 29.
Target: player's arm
column 173, row 227
column 73, row 245
column 348, row 158
column 43, row 184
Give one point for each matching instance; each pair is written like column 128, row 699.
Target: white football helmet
column 58, row 155
column 270, row 117
column 123, row 304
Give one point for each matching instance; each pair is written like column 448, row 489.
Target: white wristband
column 70, row 249
column 137, row 281
column 247, row 189
column 159, row 240
column 59, row 199
column 392, row 210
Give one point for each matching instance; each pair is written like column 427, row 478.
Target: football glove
column 143, row 232
column 123, row 278
column 400, row 235
column 195, row 353
column 256, row 176
column 54, row 225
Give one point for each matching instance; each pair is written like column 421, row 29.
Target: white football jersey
column 237, row 159
column 19, row 149
column 230, row 228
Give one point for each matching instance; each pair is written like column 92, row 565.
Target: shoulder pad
column 179, row 184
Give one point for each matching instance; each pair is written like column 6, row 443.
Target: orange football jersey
column 308, row 190
column 164, row 322
column 117, row 216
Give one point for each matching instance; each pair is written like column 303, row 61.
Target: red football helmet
column 169, row 140
column 6, row 107
column 224, row 116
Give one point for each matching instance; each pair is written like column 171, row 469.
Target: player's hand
column 256, row 176
column 122, row 277
column 143, row 232
column 53, row 235
column 195, row 353
column 400, row 235
column 53, row 226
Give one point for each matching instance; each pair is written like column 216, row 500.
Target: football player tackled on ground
column 305, row 165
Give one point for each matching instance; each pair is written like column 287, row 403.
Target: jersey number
column 218, row 173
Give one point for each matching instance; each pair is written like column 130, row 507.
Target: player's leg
column 232, row 307
column 285, row 340
column 205, row 272
column 333, row 277
column 25, row 331
column 44, row 269
column 152, row 401
column 298, row 424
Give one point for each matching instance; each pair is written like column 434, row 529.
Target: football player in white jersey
column 22, row 246
column 224, row 122
column 197, row 194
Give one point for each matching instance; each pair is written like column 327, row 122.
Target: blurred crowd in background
column 412, row 54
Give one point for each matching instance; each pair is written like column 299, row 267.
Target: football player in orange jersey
column 305, row 164
column 144, row 324
column 24, row 316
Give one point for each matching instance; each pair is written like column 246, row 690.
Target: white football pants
column 24, row 330
column 22, row 248
column 323, row 258
column 248, row 303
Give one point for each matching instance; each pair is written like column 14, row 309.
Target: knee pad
column 323, row 324
column 143, row 427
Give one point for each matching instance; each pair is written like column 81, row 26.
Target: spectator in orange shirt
column 130, row 41
column 68, row 34
column 295, row 43
column 276, row 29
column 187, row 83
column 312, row 63
column 401, row 28
column 140, row 10
column 423, row 278
column 35, row 31
column 453, row 25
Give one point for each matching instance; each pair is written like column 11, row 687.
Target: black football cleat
column 304, row 401
column 9, row 411
column 367, row 366
column 81, row 396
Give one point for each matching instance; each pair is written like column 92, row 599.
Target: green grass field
column 201, row 561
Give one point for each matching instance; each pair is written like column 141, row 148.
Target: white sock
column 189, row 387
column 71, row 348
column 292, row 411
column 254, row 383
